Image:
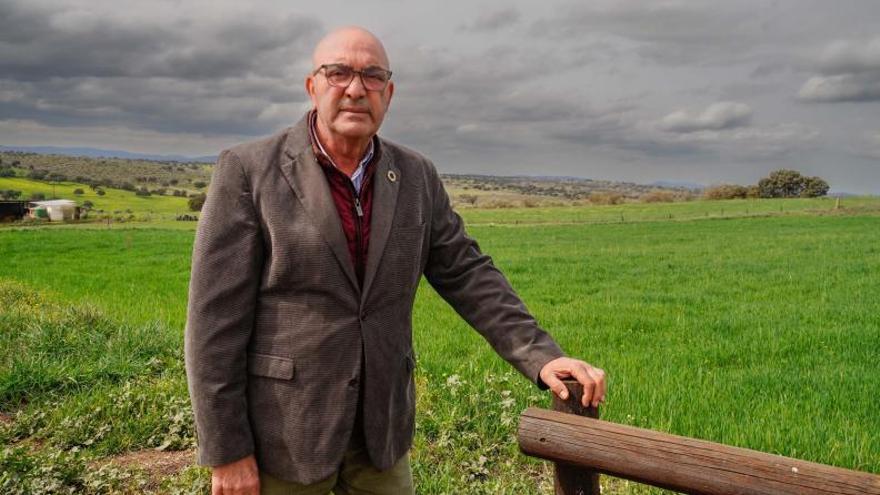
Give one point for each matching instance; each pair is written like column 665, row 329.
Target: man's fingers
column 598, row 376
column 556, row 386
column 582, row 375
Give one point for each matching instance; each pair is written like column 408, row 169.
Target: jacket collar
column 308, row 182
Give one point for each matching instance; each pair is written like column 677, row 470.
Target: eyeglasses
column 341, row 75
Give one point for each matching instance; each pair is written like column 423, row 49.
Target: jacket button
column 353, row 382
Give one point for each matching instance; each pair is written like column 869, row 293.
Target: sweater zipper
column 358, row 231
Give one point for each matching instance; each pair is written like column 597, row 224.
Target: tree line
column 782, row 183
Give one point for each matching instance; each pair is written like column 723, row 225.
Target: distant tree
column 78, row 192
column 37, row 174
column 88, row 205
column 785, row 183
column 196, row 202
column 199, row 184
column 814, row 187
column 143, row 191
column 37, row 196
column 56, row 177
column 128, row 186
column 7, row 172
column 10, row 194
column 100, row 192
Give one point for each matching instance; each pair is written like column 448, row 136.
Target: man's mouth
column 354, row 110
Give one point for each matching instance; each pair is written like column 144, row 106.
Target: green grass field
column 761, row 330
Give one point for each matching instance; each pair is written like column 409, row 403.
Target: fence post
column 572, row 480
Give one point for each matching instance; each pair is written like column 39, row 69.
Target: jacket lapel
column 385, row 193
column 305, row 177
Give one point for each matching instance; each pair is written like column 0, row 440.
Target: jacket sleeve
column 226, row 270
column 469, row 281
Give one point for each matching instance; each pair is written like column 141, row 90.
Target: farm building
column 55, row 210
column 12, row 210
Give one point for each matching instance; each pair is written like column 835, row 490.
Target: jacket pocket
column 270, row 366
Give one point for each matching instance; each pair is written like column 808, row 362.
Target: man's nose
column 356, row 90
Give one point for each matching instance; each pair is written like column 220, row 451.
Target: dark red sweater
column 354, row 210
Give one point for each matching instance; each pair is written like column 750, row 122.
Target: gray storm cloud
column 850, row 72
column 615, row 89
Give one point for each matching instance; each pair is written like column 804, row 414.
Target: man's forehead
column 351, row 46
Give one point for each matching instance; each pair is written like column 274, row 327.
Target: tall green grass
column 760, row 332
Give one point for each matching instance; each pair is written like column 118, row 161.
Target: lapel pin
column 392, row 176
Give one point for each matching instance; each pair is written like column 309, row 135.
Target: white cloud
column 717, row 116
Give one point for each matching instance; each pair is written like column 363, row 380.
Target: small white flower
column 453, row 381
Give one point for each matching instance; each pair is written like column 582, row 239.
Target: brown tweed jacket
column 277, row 325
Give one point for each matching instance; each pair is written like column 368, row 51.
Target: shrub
column 658, row 197
column 78, row 192
column 142, row 192
column 38, row 196
column 470, row 199
column 606, row 198
column 196, row 202
column 10, row 194
column 726, row 191
column 199, row 184
column 100, row 192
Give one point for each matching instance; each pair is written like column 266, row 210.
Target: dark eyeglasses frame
column 359, row 73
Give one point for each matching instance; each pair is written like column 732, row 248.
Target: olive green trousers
column 356, row 476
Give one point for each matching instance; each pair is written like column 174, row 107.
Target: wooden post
column 568, row 479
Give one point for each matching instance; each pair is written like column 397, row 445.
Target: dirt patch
column 5, row 419
column 158, row 465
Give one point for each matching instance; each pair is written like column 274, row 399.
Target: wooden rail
column 587, row 445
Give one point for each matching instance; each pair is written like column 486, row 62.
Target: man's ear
column 310, row 89
column 390, row 90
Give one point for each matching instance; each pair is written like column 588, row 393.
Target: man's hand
column 593, row 379
column 236, row 478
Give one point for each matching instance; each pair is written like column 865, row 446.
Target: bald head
column 343, row 44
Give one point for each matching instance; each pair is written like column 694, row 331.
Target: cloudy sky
column 696, row 91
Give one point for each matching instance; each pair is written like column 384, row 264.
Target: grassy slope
column 114, row 199
column 760, row 332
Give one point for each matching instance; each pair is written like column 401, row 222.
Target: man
column 305, row 268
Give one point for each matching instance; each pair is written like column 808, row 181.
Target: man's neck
column 345, row 153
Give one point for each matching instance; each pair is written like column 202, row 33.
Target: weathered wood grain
column 679, row 463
